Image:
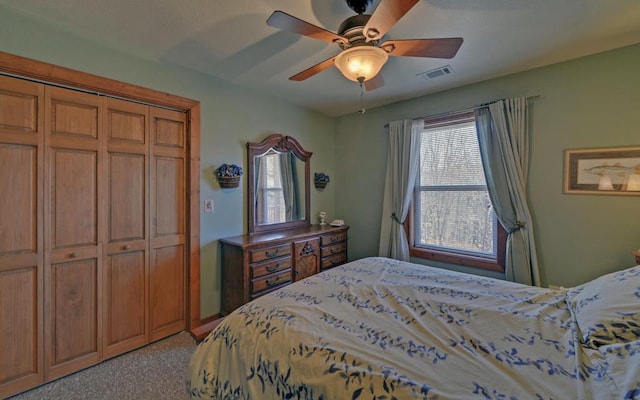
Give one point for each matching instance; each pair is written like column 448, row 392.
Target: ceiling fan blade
column 309, row 72
column 374, row 83
column 286, row 22
column 433, row 48
column 385, row 17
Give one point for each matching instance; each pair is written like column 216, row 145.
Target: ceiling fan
column 361, row 38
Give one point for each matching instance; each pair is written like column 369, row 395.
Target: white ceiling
column 230, row 39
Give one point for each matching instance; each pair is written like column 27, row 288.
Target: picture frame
column 605, row 170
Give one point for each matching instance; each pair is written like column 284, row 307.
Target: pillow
column 622, row 366
column 607, row 309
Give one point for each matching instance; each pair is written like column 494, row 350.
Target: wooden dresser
column 253, row 265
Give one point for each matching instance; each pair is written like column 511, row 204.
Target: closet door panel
column 74, row 296
column 125, row 303
column 73, row 116
column 126, row 123
column 74, row 191
column 73, row 208
column 126, row 308
column 169, row 130
column 21, row 235
column 168, row 215
column 127, row 197
column 167, row 282
column 21, row 105
column 20, row 319
column 19, row 199
column 169, row 196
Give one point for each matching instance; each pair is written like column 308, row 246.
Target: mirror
column 278, row 178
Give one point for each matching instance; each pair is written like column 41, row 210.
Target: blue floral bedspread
column 383, row 329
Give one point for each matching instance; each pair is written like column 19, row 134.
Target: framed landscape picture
column 609, row 170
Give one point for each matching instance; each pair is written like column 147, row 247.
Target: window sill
column 458, row 259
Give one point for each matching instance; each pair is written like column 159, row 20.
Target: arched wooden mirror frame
column 279, row 143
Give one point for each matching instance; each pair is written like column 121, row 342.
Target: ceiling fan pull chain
column 362, row 110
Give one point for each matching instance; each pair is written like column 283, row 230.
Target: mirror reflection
column 278, row 179
column 278, row 195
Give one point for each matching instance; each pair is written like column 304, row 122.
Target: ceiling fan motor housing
column 352, row 29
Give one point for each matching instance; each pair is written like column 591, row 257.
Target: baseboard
column 206, row 326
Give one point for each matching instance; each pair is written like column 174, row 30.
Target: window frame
column 453, row 257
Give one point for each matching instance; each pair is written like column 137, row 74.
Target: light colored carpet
column 156, row 371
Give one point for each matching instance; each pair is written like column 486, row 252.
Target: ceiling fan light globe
column 361, row 63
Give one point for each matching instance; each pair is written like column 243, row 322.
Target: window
column 452, row 218
column 270, row 189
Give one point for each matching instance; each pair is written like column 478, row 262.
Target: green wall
column 587, row 102
column 230, row 117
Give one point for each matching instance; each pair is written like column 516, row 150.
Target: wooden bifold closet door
column 21, row 235
column 92, row 229
column 73, row 215
column 126, row 269
column 168, row 223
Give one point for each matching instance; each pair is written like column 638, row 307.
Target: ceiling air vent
column 436, row 73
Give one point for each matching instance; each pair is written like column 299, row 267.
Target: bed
column 378, row 328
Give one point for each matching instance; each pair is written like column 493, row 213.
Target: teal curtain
column 289, row 178
column 504, row 147
column 402, row 170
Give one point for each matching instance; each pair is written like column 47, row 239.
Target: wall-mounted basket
column 320, row 180
column 228, row 175
column 227, row 182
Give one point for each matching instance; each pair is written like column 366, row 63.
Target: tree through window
column 453, row 219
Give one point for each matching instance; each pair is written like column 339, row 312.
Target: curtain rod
column 449, row 113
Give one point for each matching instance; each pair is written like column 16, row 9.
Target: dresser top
column 286, row 234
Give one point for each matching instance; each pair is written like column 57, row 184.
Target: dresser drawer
column 270, row 267
column 333, row 261
column 267, row 253
column 333, row 249
column 270, row 282
column 333, row 238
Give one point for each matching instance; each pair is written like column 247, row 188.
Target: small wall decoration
column 612, row 170
column 320, row 180
column 228, row 175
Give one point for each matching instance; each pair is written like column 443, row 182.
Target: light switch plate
column 208, row 206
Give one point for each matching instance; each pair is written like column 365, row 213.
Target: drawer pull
column 271, row 254
column 334, row 239
column 74, row 254
column 273, row 268
column 126, row 247
column 273, row 282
